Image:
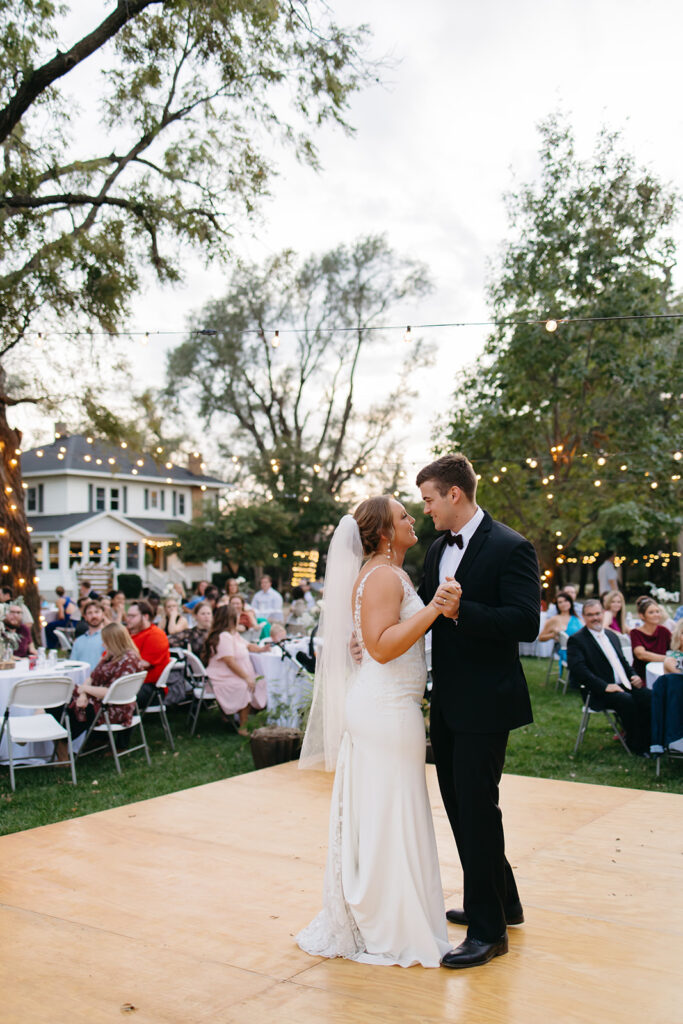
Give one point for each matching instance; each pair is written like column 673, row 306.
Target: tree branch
column 43, row 77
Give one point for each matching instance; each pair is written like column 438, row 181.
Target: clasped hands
column 447, row 598
column 636, row 682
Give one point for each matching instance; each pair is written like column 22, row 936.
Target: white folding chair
column 160, row 708
column 122, row 691
column 609, row 714
column 38, row 693
column 62, row 639
column 200, row 681
column 625, row 641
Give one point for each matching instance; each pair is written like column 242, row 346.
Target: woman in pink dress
column 229, row 668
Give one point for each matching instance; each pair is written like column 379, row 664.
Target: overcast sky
column 443, row 138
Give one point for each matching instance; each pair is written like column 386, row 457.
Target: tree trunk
column 17, row 565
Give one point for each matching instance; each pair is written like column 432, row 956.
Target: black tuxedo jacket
column 588, row 665
column 478, row 682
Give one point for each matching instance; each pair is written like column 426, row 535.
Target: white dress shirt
column 451, row 556
column 605, row 646
column 268, row 603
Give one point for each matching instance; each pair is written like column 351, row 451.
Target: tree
column 288, row 401
column 193, row 97
column 574, row 431
column 243, row 536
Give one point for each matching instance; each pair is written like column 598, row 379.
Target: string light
column 407, row 336
column 551, row 326
column 275, row 342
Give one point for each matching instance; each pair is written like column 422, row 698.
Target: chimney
column 195, row 463
column 60, row 430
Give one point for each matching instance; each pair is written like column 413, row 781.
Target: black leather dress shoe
column 460, row 917
column 473, row 953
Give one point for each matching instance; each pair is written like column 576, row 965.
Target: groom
column 479, row 690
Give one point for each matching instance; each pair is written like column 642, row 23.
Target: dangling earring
column 389, row 551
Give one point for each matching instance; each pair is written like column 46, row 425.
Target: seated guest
column 211, row 594
column 198, row 596
column 65, row 606
column 299, row 619
column 228, row 666
column 596, row 662
column 573, row 593
column 566, row 621
column 172, row 620
column 119, row 659
column 89, row 646
column 232, row 587
column 195, row 636
column 614, row 615
column 152, row 645
column 118, row 607
column 105, row 604
column 651, row 640
column 14, row 623
column 81, row 626
column 267, row 601
column 245, row 616
column 278, row 633
column 86, row 592
column 305, row 588
column 674, row 656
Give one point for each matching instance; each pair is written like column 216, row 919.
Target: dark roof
column 76, row 449
column 159, row 527
column 58, row 524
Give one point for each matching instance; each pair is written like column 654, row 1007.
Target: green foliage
column 243, row 535
column 545, row 415
column 290, row 409
column 130, row 583
column 192, row 102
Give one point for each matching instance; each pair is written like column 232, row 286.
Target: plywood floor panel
column 190, row 903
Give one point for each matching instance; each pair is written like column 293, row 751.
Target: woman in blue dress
column 566, row 621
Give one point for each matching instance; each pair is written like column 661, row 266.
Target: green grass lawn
column 543, row 750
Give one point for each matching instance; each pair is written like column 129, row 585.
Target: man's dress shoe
column 473, row 952
column 460, row 917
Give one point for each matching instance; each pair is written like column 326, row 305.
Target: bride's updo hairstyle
column 374, row 520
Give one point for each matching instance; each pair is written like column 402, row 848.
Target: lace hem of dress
column 334, row 931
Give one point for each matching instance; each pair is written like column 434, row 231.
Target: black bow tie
column 454, row 538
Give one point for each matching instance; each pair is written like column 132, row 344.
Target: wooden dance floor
column 183, row 909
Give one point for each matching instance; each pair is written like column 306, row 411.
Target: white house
column 91, row 505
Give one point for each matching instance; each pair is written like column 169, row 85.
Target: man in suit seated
column 595, row 661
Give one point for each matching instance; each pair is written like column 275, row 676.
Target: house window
column 175, row 503
column 163, row 500
column 32, row 499
column 153, row 499
column 100, row 500
column 75, row 553
column 53, row 554
column 114, row 553
column 91, row 504
column 114, row 499
column 38, row 553
column 125, row 500
column 181, row 504
column 132, row 555
column 146, row 497
column 95, row 551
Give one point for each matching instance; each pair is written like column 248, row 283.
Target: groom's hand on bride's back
column 355, row 649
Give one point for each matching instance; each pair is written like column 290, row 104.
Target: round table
column 287, row 682
column 653, row 670
column 34, row 753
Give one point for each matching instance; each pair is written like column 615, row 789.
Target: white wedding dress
column 382, row 900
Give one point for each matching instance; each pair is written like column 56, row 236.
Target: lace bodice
column 411, row 664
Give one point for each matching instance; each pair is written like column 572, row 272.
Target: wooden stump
column 275, row 744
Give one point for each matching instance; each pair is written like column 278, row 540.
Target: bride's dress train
column 382, row 899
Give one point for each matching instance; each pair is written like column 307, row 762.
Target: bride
column 382, row 898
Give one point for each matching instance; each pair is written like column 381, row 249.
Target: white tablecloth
column 288, row 684
column 536, row 649
column 653, row 670
column 34, row 753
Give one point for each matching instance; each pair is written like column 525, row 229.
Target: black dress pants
column 469, row 767
column 633, row 708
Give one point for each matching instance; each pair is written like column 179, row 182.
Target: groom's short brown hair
column 450, row 471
